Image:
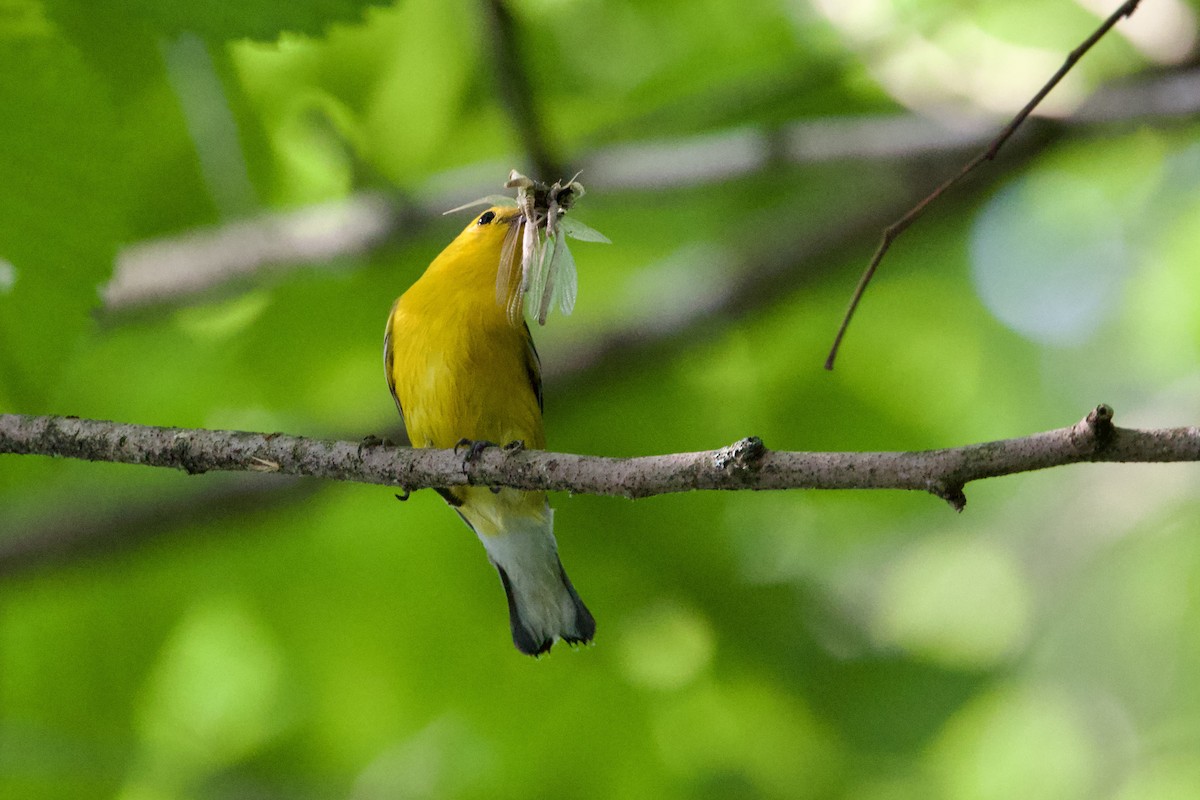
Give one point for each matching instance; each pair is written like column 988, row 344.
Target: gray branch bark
column 746, row 464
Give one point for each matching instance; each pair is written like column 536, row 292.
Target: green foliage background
column 321, row 641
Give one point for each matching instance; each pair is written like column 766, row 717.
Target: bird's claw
column 473, row 448
column 371, row 441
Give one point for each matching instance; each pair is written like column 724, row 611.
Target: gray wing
column 533, row 366
column 387, row 360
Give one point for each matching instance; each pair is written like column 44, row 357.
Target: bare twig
column 747, row 464
column 899, row 226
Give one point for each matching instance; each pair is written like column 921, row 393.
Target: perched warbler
column 462, row 367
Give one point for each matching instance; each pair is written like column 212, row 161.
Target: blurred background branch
column 181, row 269
column 98, row 528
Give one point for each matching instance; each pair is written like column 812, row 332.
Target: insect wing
column 577, row 230
column 566, row 284
column 551, row 250
column 553, row 257
column 506, row 295
column 531, row 252
column 537, row 281
column 491, row 200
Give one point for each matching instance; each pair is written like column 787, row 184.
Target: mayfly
column 541, row 227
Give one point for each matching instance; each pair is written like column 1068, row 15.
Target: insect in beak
column 548, row 276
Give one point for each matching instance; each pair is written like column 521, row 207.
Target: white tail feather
column 543, row 605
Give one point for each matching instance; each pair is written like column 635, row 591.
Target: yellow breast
column 458, row 366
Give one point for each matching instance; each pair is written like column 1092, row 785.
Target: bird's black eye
column 486, row 217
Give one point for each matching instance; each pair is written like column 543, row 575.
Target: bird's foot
column 472, row 448
column 371, row 441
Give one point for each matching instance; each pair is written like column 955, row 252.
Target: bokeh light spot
column 667, row 647
column 1048, row 257
column 959, row 602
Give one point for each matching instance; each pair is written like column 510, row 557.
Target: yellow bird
column 461, row 365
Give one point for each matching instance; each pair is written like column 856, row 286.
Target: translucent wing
column 577, row 230
column 538, row 274
column 531, row 252
column 559, row 281
column 549, row 272
column 566, row 285
column 490, row 200
column 548, row 269
column 510, row 300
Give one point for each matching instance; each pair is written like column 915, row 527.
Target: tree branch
column 178, row 268
column 746, row 464
column 893, row 231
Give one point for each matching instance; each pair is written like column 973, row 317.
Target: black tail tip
column 524, row 640
column 581, row 632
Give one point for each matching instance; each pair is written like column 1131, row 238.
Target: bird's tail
column 543, row 606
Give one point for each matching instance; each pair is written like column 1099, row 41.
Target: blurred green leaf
column 218, row 20
column 212, row 698
column 1018, row 741
column 61, row 210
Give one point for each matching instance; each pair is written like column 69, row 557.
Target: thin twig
column 899, row 226
column 746, row 464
